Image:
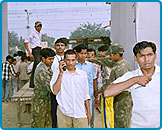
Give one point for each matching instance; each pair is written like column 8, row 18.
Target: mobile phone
column 64, row 68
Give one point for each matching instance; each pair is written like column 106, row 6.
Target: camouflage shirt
column 41, row 98
column 122, row 102
column 105, row 63
column 117, row 71
column 42, row 77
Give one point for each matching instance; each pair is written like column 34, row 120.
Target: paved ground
column 9, row 116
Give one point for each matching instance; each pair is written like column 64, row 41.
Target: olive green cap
column 115, row 49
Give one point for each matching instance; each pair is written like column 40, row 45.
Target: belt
column 36, row 48
column 41, row 93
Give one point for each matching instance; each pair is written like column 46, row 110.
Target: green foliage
column 90, row 30
column 48, row 39
column 14, row 43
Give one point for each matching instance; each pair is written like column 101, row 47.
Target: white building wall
column 127, row 32
column 4, row 32
column 123, row 27
column 148, row 24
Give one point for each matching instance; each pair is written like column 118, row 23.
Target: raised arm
column 28, row 50
column 115, row 89
column 57, row 85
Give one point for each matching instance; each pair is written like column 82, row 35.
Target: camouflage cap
column 115, row 49
column 38, row 23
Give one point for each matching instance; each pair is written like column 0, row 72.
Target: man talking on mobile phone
column 72, row 94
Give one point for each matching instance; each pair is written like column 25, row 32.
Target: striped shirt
column 7, row 71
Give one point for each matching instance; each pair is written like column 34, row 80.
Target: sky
column 59, row 19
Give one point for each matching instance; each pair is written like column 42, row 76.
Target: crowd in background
column 15, row 74
column 71, row 83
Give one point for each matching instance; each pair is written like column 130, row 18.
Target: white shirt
column 55, row 64
column 35, row 39
column 146, row 100
column 73, row 93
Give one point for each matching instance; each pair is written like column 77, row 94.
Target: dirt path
column 9, row 116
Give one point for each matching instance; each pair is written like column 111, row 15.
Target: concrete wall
column 123, row 27
column 4, row 32
column 148, row 24
column 133, row 22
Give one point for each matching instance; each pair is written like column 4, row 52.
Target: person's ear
column 155, row 55
column 43, row 59
column 135, row 58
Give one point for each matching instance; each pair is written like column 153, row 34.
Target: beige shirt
column 22, row 69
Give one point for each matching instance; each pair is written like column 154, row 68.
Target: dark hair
column 62, row 40
column 91, row 50
column 28, row 57
column 121, row 55
column 142, row 45
column 69, row 52
column 15, row 54
column 79, row 48
column 103, row 48
column 13, row 59
column 47, row 52
column 8, row 57
column 20, row 53
column 23, row 58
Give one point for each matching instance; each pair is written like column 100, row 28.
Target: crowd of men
column 15, row 74
column 71, row 83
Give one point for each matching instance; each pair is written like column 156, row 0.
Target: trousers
column 54, row 110
column 37, row 58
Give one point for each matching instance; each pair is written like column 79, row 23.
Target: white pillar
column 123, row 28
column 133, row 22
column 148, row 24
column 4, row 32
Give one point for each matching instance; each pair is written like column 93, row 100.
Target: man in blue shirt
column 88, row 67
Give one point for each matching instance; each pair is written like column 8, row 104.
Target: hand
column 88, row 117
column 31, row 56
column 95, row 93
column 96, row 102
column 142, row 80
column 61, row 65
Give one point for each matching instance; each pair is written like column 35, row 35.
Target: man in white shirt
column 34, row 40
column 88, row 67
column 72, row 94
column 144, row 85
column 60, row 46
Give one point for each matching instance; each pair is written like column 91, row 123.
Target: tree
column 14, row 44
column 48, row 39
column 90, row 30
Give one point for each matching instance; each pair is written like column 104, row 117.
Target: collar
column 45, row 66
column 36, row 31
column 58, row 57
column 85, row 62
column 119, row 62
column 76, row 72
column 157, row 70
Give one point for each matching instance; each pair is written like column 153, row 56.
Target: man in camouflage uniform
column 104, row 61
column 122, row 102
column 106, row 64
column 41, row 98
